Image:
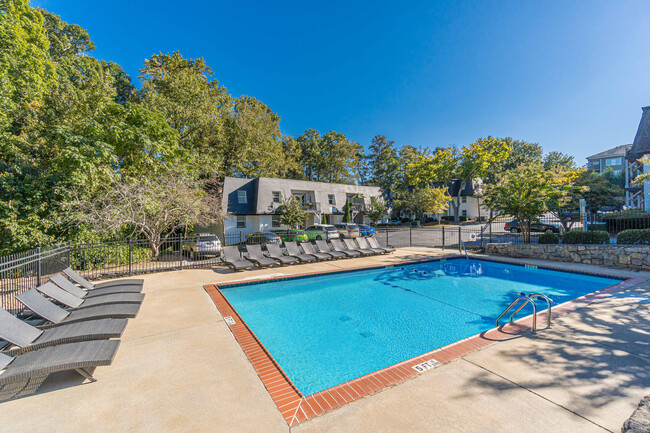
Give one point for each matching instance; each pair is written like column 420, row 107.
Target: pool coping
column 297, row 408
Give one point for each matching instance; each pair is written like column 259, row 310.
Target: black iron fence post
column 130, row 245
column 38, row 266
column 68, row 254
column 490, row 231
column 443, row 237
column 460, row 240
column 410, row 236
column 180, row 251
column 386, row 229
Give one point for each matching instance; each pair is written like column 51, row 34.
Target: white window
column 275, row 220
column 613, row 161
column 241, row 197
column 277, row 195
column 241, row 221
column 330, row 199
column 464, row 199
column 616, row 172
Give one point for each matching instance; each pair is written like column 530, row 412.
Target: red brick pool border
column 296, row 408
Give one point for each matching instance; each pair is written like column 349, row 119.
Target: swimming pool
column 328, row 329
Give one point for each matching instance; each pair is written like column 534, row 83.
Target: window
column 275, row 221
column 464, row 199
column 613, row 161
column 465, row 213
column 241, row 197
column 616, row 172
column 330, row 199
column 241, row 222
column 276, row 196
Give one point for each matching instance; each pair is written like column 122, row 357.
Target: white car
column 322, row 231
column 201, row 245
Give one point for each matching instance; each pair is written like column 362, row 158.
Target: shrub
column 105, row 255
column 386, row 225
column 588, row 237
column 548, row 238
column 634, row 237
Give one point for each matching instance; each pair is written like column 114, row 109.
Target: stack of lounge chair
column 80, row 325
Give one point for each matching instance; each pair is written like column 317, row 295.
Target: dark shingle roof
column 641, row 145
column 615, row 151
column 234, row 207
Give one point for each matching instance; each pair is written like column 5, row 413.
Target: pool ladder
column 528, row 299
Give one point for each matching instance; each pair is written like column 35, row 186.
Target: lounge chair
column 68, row 299
column 275, row 252
column 374, row 244
column 90, row 286
column 338, row 246
column 294, row 251
column 22, row 375
column 42, row 307
column 77, row 291
column 27, row 337
column 308, row 248
column 323, row 247
column 256, row 256
column 364, row 245
column 233, row 259
column 352, row 246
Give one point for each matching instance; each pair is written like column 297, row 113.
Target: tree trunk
column 525, row 230
column 154, row 244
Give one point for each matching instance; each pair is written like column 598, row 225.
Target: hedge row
column 588, row 237
column 634, row 237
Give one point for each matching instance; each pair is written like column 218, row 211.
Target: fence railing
column 22, row 271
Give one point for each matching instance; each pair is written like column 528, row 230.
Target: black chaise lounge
column 25, row 337
column 374, row 244
column 233, row 259
column 90, row 286
column 364, row 245
column 352, row 246
column 294, row 251
column 68, row 299
column 324, row 248
column 79, row 292
column 338, row 246
column 308, row 248
column 275, row 252
column 42, row 307
column 23, row 374
column 256, row 256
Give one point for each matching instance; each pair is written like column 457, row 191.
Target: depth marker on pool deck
column 229, row 320
column 427, row 365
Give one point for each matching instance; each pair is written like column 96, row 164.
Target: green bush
column 90, row 257
column 634, row 237
column 386, row 225
column 585, row 237
column 548, row 238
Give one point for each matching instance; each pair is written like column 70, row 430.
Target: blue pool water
column 325, row 330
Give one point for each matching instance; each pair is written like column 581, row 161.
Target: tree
column 383, row 163
column 324, row 219
column 339, row 157
column 291, row 212
column 347, row 215
column 527, row 192
column 558, row 161
column 152, row 206
column 376, row 209
column 425, row 201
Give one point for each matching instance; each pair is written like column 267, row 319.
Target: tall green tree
column 383, row 162
column 558, row 161
column 291, row 212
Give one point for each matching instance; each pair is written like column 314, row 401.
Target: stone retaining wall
column 635, row 257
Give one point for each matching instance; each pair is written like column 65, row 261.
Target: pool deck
column 180, row 369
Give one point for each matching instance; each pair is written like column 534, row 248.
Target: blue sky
column 570, row 75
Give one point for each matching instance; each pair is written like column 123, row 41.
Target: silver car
column 202, row 245
column 348, row 230
column 322, row 231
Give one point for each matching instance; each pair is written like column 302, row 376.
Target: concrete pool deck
column 180, row 369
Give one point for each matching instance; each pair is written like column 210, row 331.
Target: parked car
column 202, row 245
column 289, row 235
column 263, row 238
column 322, row 231
column 348, row 230
column 535, row 226
column 366, row 230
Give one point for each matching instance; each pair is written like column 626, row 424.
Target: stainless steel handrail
column 527, row 299
column 464, row 249
column 533, row 296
